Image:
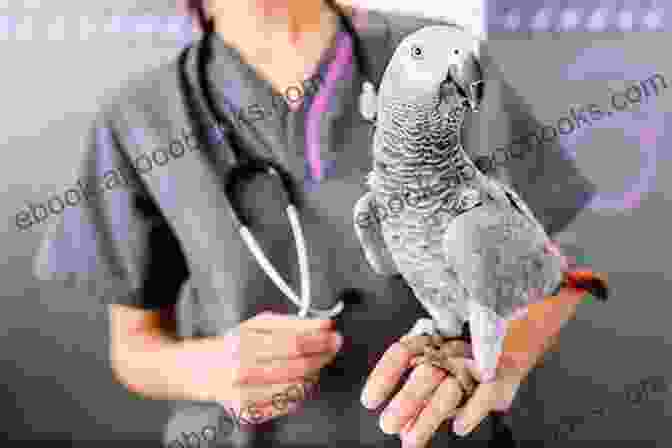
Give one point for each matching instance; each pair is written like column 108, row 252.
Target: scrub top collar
column 237, row 88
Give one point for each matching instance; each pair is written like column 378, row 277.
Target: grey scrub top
column 152, row 227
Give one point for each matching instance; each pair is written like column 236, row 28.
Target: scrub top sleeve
column 114, row 240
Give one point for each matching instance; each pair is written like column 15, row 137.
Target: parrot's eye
column 456, row 52
column 416, row 52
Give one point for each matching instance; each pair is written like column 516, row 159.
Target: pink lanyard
column 337, row 69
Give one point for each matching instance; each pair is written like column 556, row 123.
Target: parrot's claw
column 450, row 355
column 453, row 364
column 423, row 333
column 416, row 344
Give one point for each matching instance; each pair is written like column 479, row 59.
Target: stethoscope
column 251, row 166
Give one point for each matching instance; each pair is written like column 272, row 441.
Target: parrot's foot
column 451, row 358
column 416, row 343
column 450, row 355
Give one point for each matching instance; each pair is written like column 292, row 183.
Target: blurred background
column 61, row 58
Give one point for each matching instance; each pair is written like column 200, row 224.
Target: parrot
column 467, row 245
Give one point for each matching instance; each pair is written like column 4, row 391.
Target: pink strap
column 337, row 68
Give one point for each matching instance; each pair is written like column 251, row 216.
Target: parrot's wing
column 517, row 202
column 499, row 257
column 461, row 248
column 369, row 232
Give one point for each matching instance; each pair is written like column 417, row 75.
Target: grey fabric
column 165, row 237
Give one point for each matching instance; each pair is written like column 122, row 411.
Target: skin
column 245, row 368
column 431, row 396
column 267, row 354
column 282, row 39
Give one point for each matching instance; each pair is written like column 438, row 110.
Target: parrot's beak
column 488, row 331
column 468, row 79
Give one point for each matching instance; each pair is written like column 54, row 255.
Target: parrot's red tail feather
column 594, row 283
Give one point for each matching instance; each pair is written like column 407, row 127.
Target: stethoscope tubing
column 250, row 166
column 304, row 301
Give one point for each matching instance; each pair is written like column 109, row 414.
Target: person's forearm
column 529, row 338
column 161, row 367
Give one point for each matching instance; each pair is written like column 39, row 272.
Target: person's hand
column 254, row 366
column 431, row 397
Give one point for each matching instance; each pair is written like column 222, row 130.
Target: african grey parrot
column 467, row 245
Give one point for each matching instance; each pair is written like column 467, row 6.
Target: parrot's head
column 435, row 62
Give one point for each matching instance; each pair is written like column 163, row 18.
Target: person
column 193, row 316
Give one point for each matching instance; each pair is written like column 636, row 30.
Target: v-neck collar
column 237, row 88
column 238, row 85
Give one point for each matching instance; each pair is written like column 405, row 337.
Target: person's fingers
column 295, row 394
column 473, row 369
column 506, row 384
column 263, row 404
column 287, row 345
column 256, row 413
column 385, row 375
column 410, row 423
column 417, row 360
column 417, row 343
column 269, row 321
column 280, row 371
column 463, row 375
column 441, row 406
column 262, row 395
column 476, row 409
column 251, row 414
column 418, row 389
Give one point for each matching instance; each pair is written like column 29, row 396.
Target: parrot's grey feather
column 500, row 258
column 519, row 203
column 371, row 238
